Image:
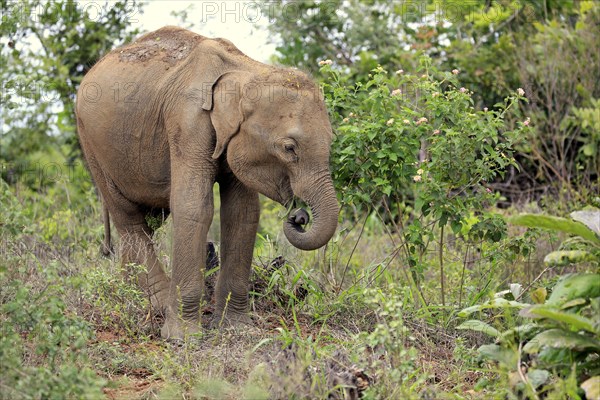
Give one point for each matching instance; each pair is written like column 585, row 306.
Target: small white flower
column 396, row 92
column 421, row 120
column 406, row 121
column 400, row 72
column 485, row 109
column 436, row 132
column 351, row 115
column 419, row 171
column 455, row 71
column 435, row 94
column 520, row 92
column 527, row 121
column 325, row 62
column 417, row 178
column 463, row 90
column 346, row 120
column 390, row 122
column 424, row 76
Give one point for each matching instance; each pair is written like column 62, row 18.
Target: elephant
column 161, row 121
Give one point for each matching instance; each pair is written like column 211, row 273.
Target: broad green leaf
column 558, row 338
column 561, row 258
column 456, row 226
column 503, row 355
column 590, row 218
column 479, row 326
column 537, row 377
column 573, row 320
column 591, row 387
column 575, row 286
column 555, row 224
column 573, row 303
column 494, row 303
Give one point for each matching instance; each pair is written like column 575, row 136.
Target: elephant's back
column 169, row 45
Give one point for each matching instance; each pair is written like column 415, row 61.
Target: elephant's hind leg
column 136, row 247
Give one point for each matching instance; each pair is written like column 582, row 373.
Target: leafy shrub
column 42, row 343
column 413, row 149
column 120, row 305
column 554, row 348
column 417, row 140
column 42, row 347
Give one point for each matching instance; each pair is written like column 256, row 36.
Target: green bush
column 42, row 342
column 413, row 149
column 553, row 347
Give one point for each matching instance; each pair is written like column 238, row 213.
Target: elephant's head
column 276, row 134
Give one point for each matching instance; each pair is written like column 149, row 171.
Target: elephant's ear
column 224, row 101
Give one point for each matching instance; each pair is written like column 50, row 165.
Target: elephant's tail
column 106, row 249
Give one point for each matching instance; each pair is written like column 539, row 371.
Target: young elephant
column 162, row 119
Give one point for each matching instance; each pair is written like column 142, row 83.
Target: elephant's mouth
column 285, row 193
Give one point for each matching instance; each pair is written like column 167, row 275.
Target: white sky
column 233, row 20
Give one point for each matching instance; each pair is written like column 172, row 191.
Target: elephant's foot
column 236, row 320
column 159, row 299
column 179, row 329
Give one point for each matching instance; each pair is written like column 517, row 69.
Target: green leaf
column 558, row 338
column 574, row 286
column 561, row 258
column 494, row 303
column 573, row 320
column 456, row 226
column 537, row 377
column 589, row 150
column 503, row 355
column 591, row 387
column 479, row 326
column 556, row 224
column 573, row 303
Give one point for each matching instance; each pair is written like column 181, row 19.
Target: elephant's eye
column 290, row 148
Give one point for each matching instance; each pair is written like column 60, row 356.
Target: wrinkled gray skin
column 164, row 118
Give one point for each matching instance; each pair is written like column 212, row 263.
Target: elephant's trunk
column 320, row 197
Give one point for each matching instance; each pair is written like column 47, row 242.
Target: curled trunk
column 320, row 197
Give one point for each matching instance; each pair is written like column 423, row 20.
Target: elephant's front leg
column 192, row 211
column 239, row 222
